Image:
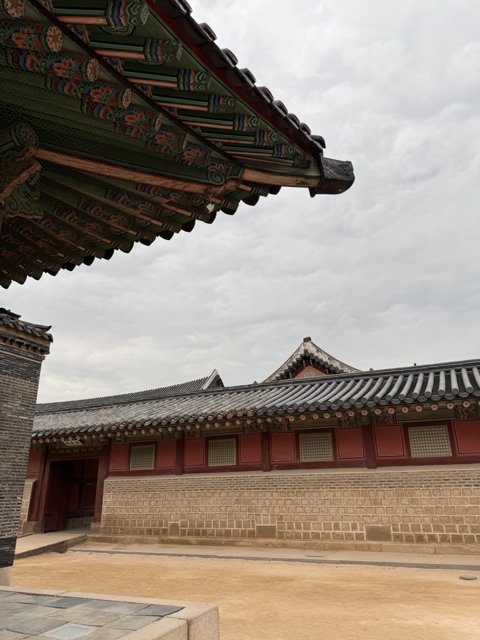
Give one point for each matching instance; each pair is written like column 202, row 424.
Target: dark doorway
column 70, row 499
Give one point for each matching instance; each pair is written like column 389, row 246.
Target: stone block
column 378, row 533
column 265, row 531
column 202, row 621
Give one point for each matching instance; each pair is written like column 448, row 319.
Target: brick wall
column 410, row 505
column 20, row 361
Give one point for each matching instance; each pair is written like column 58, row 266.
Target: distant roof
column 12, row 320
column 418, row 384
column 308, row 353
column 213, row 381
column 123, row 122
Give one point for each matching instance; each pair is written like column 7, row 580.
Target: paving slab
column 59, row 615
column 38, row 543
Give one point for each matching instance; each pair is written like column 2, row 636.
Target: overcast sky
column 385, row 275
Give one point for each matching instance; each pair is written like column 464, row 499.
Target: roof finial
column 307, row 339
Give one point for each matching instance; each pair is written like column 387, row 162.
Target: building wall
column 407, row 505
column 369, row 489
column 19, row 374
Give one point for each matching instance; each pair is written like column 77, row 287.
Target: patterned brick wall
column 21, row 357
column 411, row 505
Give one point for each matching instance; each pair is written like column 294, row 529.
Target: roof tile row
column 336, row 392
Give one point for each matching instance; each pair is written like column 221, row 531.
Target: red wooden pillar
column 33, row 509
column 42, row 493
column 370, row 453
column 266, row 454
column 101, row 475
column 179, row 456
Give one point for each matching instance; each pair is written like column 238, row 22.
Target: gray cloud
column 384, row 275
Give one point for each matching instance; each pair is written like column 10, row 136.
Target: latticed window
column 316, row 447
column 429, row 442
column 142, row 456
column 222, row 453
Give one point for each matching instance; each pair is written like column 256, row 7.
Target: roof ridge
column 199, row 384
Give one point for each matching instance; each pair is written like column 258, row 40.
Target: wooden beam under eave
column 280, row 179
column 131, row 175
column 330, row 177
column 86, row 20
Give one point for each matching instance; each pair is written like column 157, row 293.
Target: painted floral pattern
column 12, row 8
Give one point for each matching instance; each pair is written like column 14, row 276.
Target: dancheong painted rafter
column 121, row 121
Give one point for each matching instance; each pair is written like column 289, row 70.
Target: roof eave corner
column 336, row 176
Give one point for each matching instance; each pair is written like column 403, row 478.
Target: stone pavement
column 42, row 614
column 36, row 543
column 68, row 618
column 469, row 562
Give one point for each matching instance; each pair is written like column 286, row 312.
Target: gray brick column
column 23, row 346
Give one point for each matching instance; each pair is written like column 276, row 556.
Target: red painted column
column 43, row 492
column 266, row 454
column 101, row 475
column 370, row 454
column 35, row 504
column 179, row 457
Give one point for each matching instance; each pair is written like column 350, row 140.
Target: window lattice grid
column 222, row 453
column 316, row 447
column 429, row 442
column 142, row 457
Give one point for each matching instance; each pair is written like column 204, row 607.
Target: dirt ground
column 274, row 601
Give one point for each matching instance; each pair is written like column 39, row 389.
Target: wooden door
column 56, row 504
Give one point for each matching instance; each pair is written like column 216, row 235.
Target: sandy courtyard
column 276, row 600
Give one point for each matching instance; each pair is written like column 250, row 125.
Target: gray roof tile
column 336, row 392
column 213, row 381
column 12, row 320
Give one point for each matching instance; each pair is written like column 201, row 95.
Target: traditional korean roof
column 12, row 321
column 122, row 121
column 305, row 355
column 213, row 381
column 361, row 391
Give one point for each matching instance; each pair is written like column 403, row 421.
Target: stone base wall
column 408, row 505
column 24, row 526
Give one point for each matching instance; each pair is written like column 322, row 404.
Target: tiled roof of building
column 213, row 381
column 309, row 353
column 12, row 320
column 370, row 389
column 122, row 122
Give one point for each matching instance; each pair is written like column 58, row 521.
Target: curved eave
column 49, row 227
column 177, row 15
column 395, row 390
